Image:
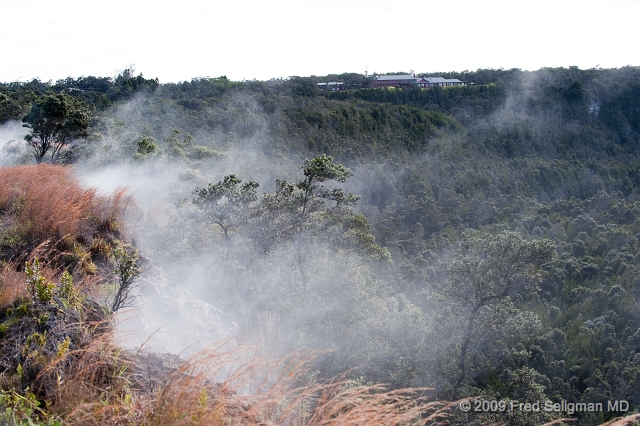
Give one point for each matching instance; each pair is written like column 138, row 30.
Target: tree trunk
column 462, row 365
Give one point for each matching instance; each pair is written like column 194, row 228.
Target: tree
column 226, row 203
column 311, row 197
column 308, row 211
column 9, row 108
column 55, row 120
column 146, row 147
column 490, row 268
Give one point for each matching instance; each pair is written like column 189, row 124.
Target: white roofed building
column 409, row 80
column 440, row 82
column 395, row 80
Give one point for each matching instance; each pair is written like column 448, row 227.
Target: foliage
column 446, row 178
column 20, row 410
column 55, row 120
column 488, row 269
column 146, row 147
column 41, row 290
column 226, row 203
column 127, row 272
column 493, row 267
column 98, row 93
column 37, row 331
column 9, row 108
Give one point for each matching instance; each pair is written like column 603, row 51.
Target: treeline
column 97, row 92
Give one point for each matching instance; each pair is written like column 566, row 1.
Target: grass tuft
column 49, row 203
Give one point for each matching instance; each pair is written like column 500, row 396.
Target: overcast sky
column 175, row 41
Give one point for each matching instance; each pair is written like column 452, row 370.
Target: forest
column 480, row 241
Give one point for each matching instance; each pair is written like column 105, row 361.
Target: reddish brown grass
column 100, row 385
column 50, row 203
column 92, row 386
column 13, row 282
column 12, row 285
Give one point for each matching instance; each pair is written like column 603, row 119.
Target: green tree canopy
column 9, row 108
column 55, row 120
column 490, row 268
column 227, row 202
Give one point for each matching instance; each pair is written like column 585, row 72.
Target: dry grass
column 50, row 203
column 100, row 385
column 90, row 379
column 12, row 285
column 560, row 421
column 631, row 420
column 364, row 405
column 13, row 282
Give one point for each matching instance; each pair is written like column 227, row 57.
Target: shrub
column 50, row 203
column 41, row 289
column 127, row 271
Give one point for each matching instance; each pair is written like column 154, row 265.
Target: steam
column 12, row 145
column 197, row 293
column 196, row 290
column 182, row 307
column 193, row 295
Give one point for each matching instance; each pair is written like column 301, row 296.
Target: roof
column 440, row 80
column 397, row 77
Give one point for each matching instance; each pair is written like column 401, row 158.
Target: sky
column 177, row 41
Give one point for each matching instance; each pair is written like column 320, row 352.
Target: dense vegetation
column 492, row 251
column 60, row 365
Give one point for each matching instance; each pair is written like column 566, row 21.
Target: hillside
column 482, row 239
column 62, row 363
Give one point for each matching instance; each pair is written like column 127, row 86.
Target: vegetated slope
column 543, row 154
column 546, row 154
column 47, row 204
column 55, row 238
column 59, row 366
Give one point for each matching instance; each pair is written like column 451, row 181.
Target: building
column 332, row 85
column 441, row 82
column 406, row 80
column 410, row 80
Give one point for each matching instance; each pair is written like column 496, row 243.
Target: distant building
column 395, row 80
column 410, row 80
column 439, row 81
column 332, row 85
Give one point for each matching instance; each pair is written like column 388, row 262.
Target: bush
column 48, row 202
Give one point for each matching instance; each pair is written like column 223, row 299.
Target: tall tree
column 489, row 268
column 308, row 211
column 55, row 120
column 311, row 197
